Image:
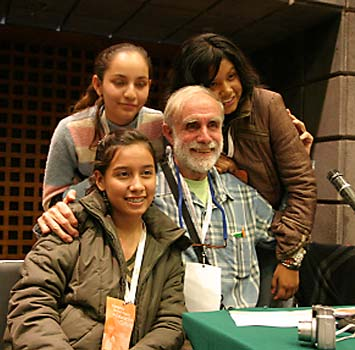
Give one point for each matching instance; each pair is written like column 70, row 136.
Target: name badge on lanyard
column 202, row 287
column 120, row 314
column 202, row 282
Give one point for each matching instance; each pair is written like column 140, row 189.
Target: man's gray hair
column 179, row 98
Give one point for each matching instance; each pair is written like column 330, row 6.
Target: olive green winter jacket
column 60, row 301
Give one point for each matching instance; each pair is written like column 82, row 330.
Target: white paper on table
column 344, row 311
column 270, row 318
column 202, row 287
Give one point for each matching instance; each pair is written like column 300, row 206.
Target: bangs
column 204, row 67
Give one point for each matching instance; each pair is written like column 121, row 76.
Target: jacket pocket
column 256, row 157
column 82, row 331
column 250, row 143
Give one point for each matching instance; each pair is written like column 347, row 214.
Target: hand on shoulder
column 60, row 219
column 305, row 136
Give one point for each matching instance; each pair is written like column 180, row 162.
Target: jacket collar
column 158, row 225
column 245, row 108
column 162, row 232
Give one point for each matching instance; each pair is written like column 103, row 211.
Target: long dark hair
column 199, row 60
column 101, row 65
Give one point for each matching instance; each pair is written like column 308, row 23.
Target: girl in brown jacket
column 261, row 139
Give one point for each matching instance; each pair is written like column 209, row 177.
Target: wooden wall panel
column 41, row 75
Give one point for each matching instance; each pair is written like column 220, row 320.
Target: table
column 217, row 331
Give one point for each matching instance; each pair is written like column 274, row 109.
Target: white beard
column 192, row 161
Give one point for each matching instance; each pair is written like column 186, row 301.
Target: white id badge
column 202, row 287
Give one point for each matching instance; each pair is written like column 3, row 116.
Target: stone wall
column 315, row 72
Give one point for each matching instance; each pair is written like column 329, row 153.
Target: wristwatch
column 294, row 262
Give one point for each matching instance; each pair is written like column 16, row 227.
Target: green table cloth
column 217, row 331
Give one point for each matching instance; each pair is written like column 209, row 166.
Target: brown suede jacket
column 267, row 145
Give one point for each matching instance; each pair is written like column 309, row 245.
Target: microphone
column 343, row 187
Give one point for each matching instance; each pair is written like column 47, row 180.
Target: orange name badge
column 119, row 324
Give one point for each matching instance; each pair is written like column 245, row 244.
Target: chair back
column 9, row 275
column 327, row 275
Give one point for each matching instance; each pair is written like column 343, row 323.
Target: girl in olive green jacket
column 60, row 300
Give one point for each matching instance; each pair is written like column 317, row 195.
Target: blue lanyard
column 181, row 196
column 214, row 200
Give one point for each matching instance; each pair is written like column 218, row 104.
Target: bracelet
column 291, row 264
column 294, row 262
